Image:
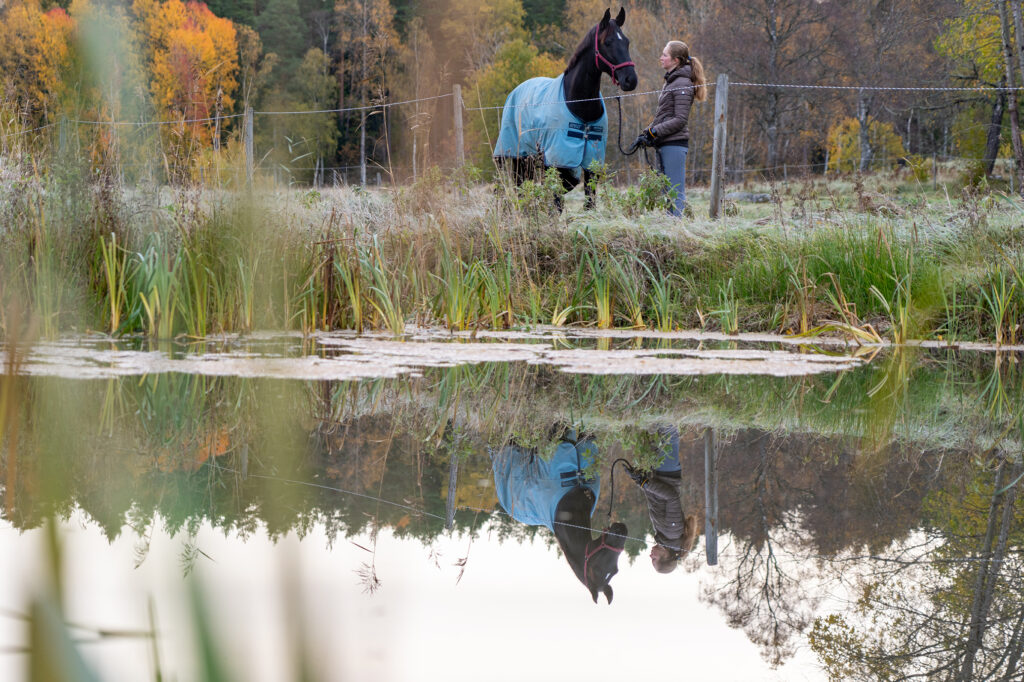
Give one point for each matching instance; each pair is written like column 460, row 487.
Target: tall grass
column 196, row 264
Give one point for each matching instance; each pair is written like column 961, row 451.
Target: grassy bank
column 876, row 259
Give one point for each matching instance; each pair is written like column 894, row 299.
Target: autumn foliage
column 34, row 51
column 193, row 60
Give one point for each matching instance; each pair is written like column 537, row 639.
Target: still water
column 350, row 508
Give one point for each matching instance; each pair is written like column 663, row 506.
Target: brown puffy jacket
column 666, row 509
column 670, row 121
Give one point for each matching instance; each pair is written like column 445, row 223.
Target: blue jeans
column 669, row 449
column 672, row 162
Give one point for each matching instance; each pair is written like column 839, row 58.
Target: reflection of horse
column 558, row 495
column 561, row 122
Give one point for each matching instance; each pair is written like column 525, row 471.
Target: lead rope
column 635, row 147
column 611, row 493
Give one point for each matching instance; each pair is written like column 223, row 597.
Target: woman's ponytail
column 700, row 81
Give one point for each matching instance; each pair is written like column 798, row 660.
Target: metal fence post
column 249, row 164
column 718, row 145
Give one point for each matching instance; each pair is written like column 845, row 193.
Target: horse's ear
column 621, row 18
column 593, row 594
column 608, row 593
column 605, row 19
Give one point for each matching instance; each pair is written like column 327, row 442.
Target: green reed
column 384, row 290
column 998, row 298
column 495, row 289
column 601, row 279
column 728, row 310
column 114, row 271
column 663, row 298
column 456, row 298
column 152, row 291
column 631, row 285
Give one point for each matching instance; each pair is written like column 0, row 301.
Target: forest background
column 82, row 66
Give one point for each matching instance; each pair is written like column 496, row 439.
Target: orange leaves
column 193, row 56
column 35, row 49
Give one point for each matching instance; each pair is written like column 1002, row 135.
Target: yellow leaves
column 844, row 144
column 975, row 37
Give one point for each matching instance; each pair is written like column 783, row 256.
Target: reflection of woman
column 669, row 133
column 674, row 533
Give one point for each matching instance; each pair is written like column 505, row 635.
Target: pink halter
column 598, row 58
column 601, row 546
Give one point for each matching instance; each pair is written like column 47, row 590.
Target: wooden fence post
column 718, row 145
column 710, row 496
column 247, row 135
column 460, row 148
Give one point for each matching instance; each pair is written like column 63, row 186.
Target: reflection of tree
column 768, row 596
column 951, row 608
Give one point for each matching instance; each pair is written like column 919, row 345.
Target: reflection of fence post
column 710, row 497
column 453, row 478
column 249, row 165
column 460, row 148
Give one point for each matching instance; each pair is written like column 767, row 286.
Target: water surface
column 866, row 507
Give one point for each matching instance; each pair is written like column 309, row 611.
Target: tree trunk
column 995, row 129
column 772, row 135
column 1018, row 151
column 863, row 117
column 982, row 582
column 1018, row 28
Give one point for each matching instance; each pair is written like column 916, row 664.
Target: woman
column 675, row 533
column 669, row 133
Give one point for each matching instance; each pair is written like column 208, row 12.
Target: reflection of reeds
column 12, row 397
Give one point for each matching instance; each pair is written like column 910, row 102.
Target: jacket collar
column 684, row 71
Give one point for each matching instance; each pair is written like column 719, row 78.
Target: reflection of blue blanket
column 536, row 119
column 530, row 489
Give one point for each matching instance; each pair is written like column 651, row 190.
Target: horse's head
column 612, row 50
column 601, row 560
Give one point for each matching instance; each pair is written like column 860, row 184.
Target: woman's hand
column 639, row 477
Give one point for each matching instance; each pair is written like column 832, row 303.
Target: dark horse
column 557, row 494
column 561, row 122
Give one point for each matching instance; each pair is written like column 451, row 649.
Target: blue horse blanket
column 536, row 119
column 529, row 488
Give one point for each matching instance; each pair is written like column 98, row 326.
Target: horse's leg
column 588, row 190
column 569, row 181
